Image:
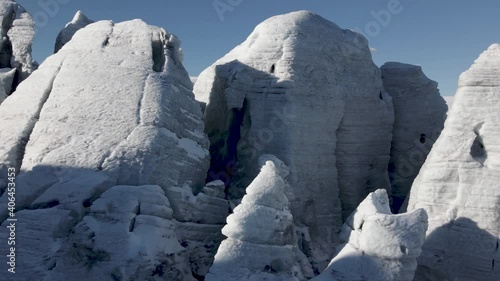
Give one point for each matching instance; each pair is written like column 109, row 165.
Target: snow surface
column 307, row 91
column 458, row 184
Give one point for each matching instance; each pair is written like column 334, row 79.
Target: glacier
column 292, row 158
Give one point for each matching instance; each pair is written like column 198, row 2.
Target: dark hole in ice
column 87, row 203
column 15, row 82
column 131, row 226
column 478, row 151
column 5, row 54
column 273, row 68
column 158, row 55
column 224, row 154
column 423, row 138
column 380, row 96
column 45, row 205
column 198, row 277
column 403, row 249
column 105, row 43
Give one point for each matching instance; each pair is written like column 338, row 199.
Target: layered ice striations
column 458, row 184
column 307, row 91
column 420, row 112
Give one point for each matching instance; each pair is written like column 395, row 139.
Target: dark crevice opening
column 198, row 277
column 478, row 151
column 105, row 43
column 224, row 154
column 423, row 138
column 273, row 69
column 87, row 203
column 158, row 55
column 132, row 225
column 45, row 205
column 381, row 96
column 5, row 53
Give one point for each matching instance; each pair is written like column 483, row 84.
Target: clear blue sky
column 443, row 36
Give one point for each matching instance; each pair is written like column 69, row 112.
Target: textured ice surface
column 458, row 185
column 420, row 112
column 261, row 241
column 378, row 246
column 114, row 107
column 307, row 91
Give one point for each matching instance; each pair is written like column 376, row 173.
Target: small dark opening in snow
column 198, row 277
column 45, row 205
column 87, row 203
column 5, row 54
column 423, row 138
column 16, row 81
column 105, row 43
column 224, row 154
column 477, row 151
column 273, row 68
column 381, row 96
column 158, row 55
column 132, row 225
column 403, row 249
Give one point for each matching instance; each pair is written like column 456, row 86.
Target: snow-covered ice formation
column 261, row 241
column 378, row 246
column 420, row 112
column 17, row 33
column 79, row 21
column 307, row 91
column 129, row 226
column 458, row 185
column 110, row 116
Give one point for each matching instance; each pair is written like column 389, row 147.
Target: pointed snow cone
column 79, row 21
column 260, row 243
column 459, row 183
column 378, row 246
